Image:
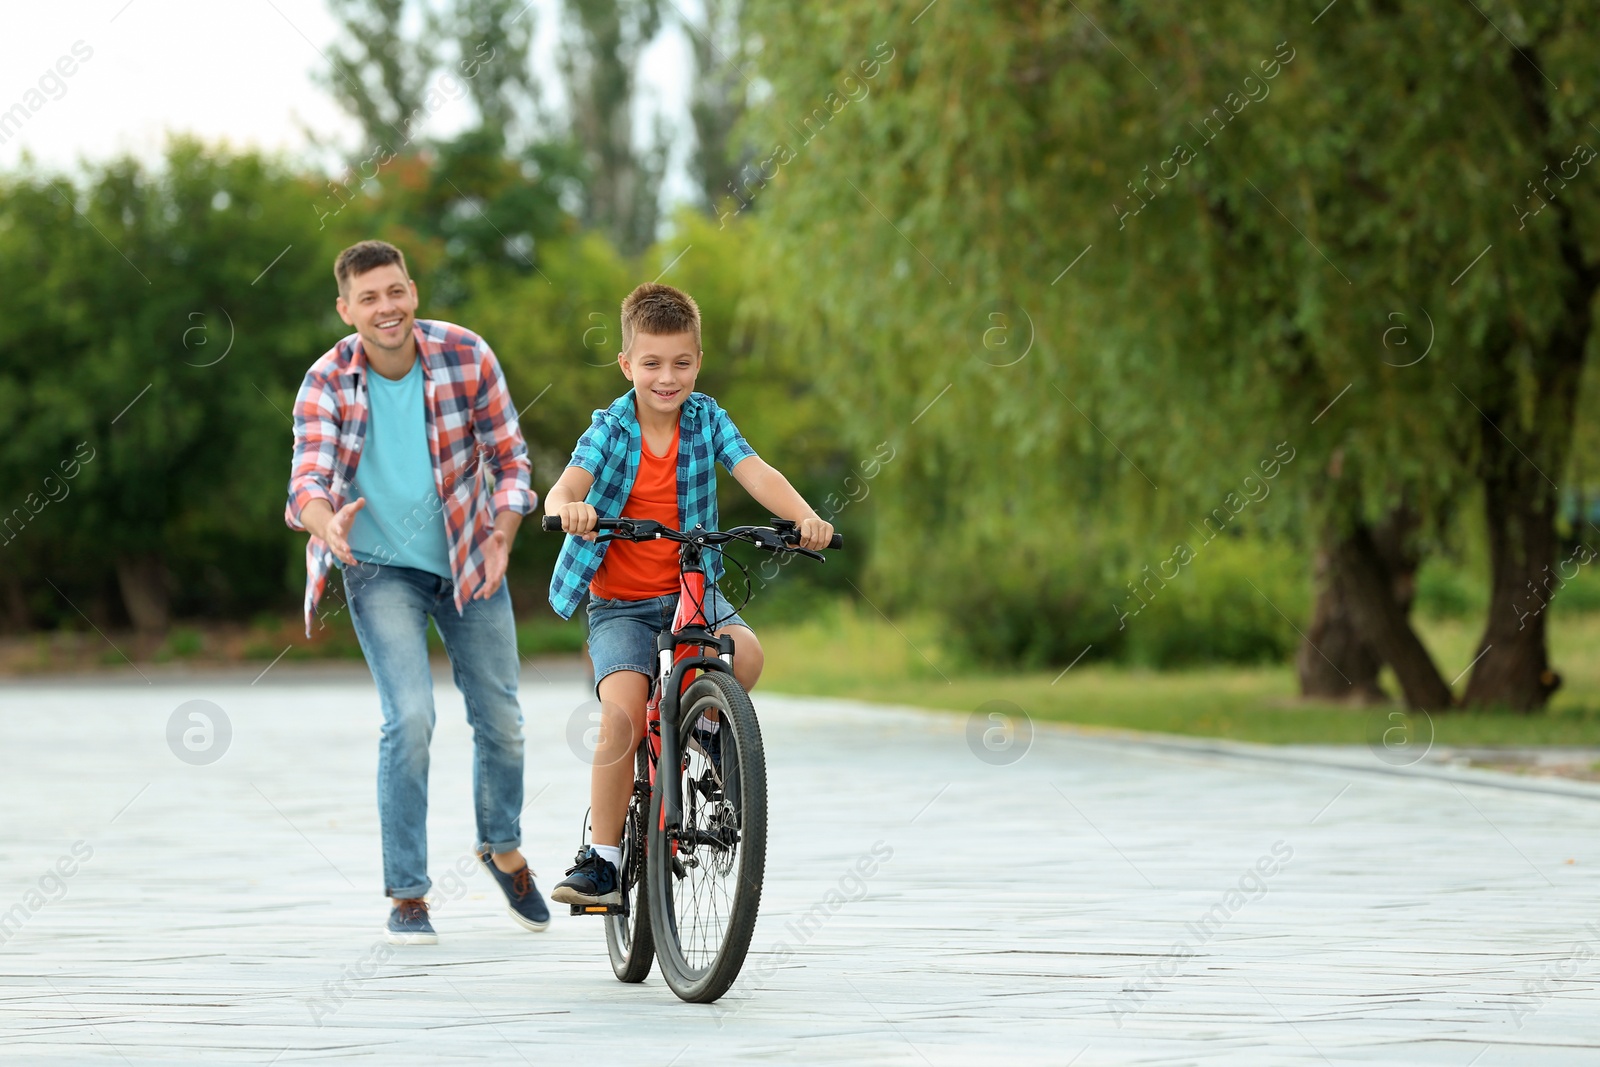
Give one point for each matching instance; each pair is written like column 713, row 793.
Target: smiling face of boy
column 662, row 368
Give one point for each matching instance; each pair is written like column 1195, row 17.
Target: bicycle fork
column 678, row 663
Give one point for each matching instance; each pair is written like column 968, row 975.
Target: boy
column 389, row 428
column 652, row 455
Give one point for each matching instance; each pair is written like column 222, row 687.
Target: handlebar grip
column 789, row 529
column 552, row 523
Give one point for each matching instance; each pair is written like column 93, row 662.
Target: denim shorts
column 622, row 633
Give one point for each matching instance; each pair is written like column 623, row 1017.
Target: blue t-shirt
column 402, row 523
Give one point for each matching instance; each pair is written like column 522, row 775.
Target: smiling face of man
column 381, row 304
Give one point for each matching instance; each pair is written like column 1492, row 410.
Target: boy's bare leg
column 748, row 658
column 623, row 695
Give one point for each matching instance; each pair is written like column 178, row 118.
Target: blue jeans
column 622, row 633
column 390, row 607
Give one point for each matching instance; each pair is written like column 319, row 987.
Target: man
column 393, row 428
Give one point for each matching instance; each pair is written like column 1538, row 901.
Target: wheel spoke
column 703, row 901
column 703, row 914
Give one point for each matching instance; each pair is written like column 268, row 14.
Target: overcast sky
column 234, row 70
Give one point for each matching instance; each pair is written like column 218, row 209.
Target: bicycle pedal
column 599, row 909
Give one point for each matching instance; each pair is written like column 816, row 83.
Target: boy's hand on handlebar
column 579, row 519
column 815, row 533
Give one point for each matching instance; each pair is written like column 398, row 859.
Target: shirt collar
column 623, row 409
column 428, row 351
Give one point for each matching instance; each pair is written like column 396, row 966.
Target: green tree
column 161, row 314
column 718, row 98
column 602, row 45
column 1252, row 195
column 493, row 39
column 381, row 65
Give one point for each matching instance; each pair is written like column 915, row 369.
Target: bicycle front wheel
column 628, row 937
column 704, row 882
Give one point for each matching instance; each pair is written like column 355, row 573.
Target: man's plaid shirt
column 469, row 415
column 609, row 450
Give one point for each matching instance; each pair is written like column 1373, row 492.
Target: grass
column 853, row 652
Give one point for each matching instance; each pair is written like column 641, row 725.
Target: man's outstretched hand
column 333, row 527
column 496, row 554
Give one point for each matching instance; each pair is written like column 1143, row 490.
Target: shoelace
column 585, row 858
column 413, row 909
column 522, row 882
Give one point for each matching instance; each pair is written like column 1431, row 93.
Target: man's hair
column 362, row 257
column 659, row 309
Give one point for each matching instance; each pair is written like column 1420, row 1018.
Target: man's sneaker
column 591, row 880
column 409, row 925
column 522, row 896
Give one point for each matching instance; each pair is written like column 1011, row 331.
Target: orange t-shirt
column 638, row 571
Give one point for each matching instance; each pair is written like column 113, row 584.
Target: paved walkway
column 1095, row 902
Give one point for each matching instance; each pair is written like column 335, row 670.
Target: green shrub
column 1580, row 594
column 541, row 637
column 1024, row 604
column 1227, row 605
column 1034, row 605
column 183, row 642
column 1448, row 590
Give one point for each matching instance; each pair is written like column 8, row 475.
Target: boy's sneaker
column 709, row 742
column 522, row 896
column 409, row 925
column 591, row 880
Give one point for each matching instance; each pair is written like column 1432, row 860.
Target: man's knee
column 500, row 725
column 409, row 728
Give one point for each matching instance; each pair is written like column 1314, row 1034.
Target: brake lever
column 767, row 542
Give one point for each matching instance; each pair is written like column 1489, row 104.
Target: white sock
column 612, row 854
column 710, row 726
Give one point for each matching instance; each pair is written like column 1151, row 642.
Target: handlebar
column 781, row 536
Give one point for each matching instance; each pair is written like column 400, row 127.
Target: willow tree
column 1216, row 218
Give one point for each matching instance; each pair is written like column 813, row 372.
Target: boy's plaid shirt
column 469, row 414
column 609, row 450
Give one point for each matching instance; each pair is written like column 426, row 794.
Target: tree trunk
column 1338, row 660
column 1369, row 587
column 1513, row 668
column 1521, row 501
column 1523, row 451
column 1335, row 662
column 142, row 579
column 14, row 614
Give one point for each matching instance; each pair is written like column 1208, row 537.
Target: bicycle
column 693, row 843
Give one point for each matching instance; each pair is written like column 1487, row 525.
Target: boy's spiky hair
column 659, row 309
column 364, row 256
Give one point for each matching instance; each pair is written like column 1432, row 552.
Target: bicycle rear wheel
column 705, row 884
column 628, row 937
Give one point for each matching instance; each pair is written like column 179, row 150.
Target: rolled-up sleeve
column 728, row 444
column 589, row 453
column 495, row 423
column 316, row 448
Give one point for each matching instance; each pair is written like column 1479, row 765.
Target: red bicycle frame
column 691, row 599
column 685, row 641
